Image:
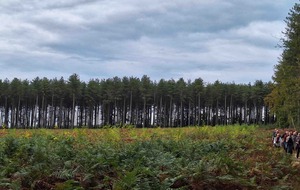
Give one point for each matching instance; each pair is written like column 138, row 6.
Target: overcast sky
column 226, row 40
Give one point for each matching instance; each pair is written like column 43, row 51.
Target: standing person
column 276, row 141
column 283, row 140
column 294, row 136
column 274, row 134
column 298, row 145
column 289, row 143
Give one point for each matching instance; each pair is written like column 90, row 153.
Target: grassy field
column 228, row 157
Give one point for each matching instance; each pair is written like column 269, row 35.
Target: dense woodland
column 60, row 103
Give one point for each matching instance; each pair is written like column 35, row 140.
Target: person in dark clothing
column 284, row 140
column 298, row 145
column 289, row 144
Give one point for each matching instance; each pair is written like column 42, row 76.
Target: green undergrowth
column 231, row 157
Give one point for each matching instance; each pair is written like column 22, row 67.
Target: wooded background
column 141, row 102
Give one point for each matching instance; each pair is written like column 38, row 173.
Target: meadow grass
column 221, row 157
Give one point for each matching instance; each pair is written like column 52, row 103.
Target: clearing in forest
column 227, row 157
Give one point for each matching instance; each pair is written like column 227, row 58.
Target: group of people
column 289, row 140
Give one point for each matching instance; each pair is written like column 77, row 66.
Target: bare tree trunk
column 130, row 109
column 153, row 112
column 165, row 114
column 161, row 117
column 225, row 110
column 124, row 112
column 199, row 109
column 18, row 114
column 6, row 110
column 144, row 112
column 95, row 116
column 189, row 114
column 42, row 119
column 12, row 116
column 36, row 111
column 245, row 112
column 217, row 113
column 73, row 111
column 181, row 115
column 60, row 114
column 170, row 114
column 51, row 113
column 231, row 111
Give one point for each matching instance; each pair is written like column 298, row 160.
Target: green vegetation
column 285, row 96
column 231, row 157
column 51, row 103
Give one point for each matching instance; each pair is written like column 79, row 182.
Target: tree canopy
column 284, row 98
column 60, row 103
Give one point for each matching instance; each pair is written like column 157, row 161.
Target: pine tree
column 285, row 96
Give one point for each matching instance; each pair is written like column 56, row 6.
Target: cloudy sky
column 226, row 40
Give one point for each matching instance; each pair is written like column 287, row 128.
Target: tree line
column 142, row 102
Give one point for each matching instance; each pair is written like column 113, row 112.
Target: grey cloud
column 163, row 39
